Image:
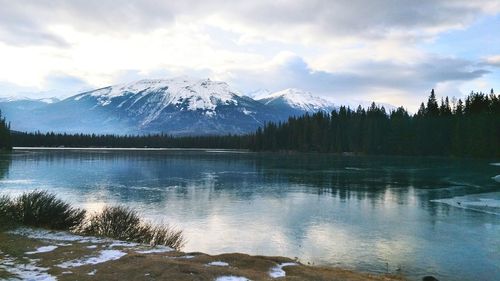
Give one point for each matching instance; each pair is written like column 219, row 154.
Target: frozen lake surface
column 418, row 216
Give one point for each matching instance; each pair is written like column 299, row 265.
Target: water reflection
column 5, row 160
column 358, row 212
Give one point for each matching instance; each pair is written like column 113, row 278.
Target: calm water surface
column 415, row 216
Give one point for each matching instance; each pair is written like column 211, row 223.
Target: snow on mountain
column 198, row 94
column 178, row 106
column 297, row 100
column 49, row 100
column 259, row 94
column 22, row 99
column 11, row 99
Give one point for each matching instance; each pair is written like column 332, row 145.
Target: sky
column 388, row 51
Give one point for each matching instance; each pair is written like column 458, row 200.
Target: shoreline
column 40, row 254
column 245, row 151
column 130, row 148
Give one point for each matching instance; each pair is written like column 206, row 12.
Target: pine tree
column 5, row 138
column 432, row 105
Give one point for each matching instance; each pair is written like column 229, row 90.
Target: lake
column 417, row 216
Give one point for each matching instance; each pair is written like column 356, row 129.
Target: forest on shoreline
column 457, row 128
column 469, row 128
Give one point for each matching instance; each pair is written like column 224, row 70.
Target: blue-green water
column 368, row 213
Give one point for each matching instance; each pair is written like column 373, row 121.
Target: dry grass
column 125, row 224
column 6, row 212
column 42, row 209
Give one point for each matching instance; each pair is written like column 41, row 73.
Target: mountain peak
column 197, row 94
column 259, row 94
column 298, row 99
column 177, row 106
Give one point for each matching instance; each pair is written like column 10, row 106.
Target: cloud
column 65, row 85
column 365, row 81
column 359, row 48
column 358, row 19
column 492, row 61
column 30, row 21
column 20, row 25
column 54, row 85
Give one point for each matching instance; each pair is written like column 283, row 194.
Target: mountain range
column 177, row 106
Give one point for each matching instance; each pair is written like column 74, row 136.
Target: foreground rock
column 42, row 255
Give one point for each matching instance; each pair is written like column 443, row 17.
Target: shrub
column 5, row 206
column 42, row 209
column 115, row 222
column 6, row 212
column 124, row 224
column 161, row 235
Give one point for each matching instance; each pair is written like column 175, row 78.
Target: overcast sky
column 391, row 51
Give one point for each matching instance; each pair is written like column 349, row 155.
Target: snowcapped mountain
column 182, row 92
column 259, row 94
column 17, row 108
column 296, row 102
column 178, row 106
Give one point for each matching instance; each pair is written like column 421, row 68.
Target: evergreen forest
column 462, row 128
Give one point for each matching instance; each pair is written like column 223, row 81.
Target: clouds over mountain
column 373, row 47
column 365, row 78
column 369, row 19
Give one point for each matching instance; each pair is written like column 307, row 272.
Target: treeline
column 5, row 139
column 459, row 128
column 132, row 141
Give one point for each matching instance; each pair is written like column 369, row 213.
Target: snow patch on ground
column 27, row 271
column 277, row 271
column 123, row 244
column 44, row 249
column 42, row 234
column 157, row 249
column 218, row 263
column 104, row 256
column 231, row 278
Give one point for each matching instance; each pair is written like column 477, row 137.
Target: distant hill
column 295, row 102
column 177, row 106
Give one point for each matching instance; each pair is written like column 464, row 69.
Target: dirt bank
column 45, row 255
